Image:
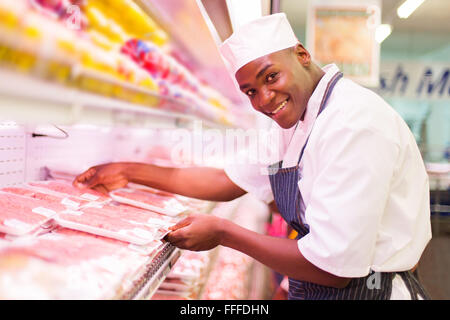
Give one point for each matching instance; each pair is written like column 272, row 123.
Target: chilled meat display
column 91, row 246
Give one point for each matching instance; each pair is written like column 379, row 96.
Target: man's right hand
column 103, row 178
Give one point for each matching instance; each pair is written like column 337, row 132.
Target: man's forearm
column 279, row 254
column 202, row 183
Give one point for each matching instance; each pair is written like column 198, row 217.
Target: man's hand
column 197, row 232
column 103, row 178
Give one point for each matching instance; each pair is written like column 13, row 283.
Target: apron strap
column 323, row 104
column 414, row 287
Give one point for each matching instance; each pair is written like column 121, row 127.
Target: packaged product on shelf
column 174, row 80
column 67, row 201
column 143, row 188
column 163, row 204
column 105, row 223
column 10, row 12
column 186, row 277
column 229, row 276
column 149, row 58
column 67, row 264
column 190, row 267
column 65, row 187
column 21, row 215
column 97, row 16
column 61, row 10
column 129, row 21
column 138, row 215
column 3, row 239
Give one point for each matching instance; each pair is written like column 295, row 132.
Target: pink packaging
column 104, row 222
column 47, row 195
column 65, row 187
column 21, row 215
column 154, row 201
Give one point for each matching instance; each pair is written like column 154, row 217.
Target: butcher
column 350, row 181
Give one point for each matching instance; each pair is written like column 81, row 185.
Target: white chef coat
column 364, row 183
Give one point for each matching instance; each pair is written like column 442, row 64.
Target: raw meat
column 105, row 222
column 87, row 266
column 131, row 213
column 68, row 201
column 187, row 276
column 145, row 197
column 156, row 192
column 188, row 202
column 227, row 278
column 20, row 215
column 149, row 200
column 66, row 247
column 67, row 188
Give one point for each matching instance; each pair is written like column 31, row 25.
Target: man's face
column 279, row 84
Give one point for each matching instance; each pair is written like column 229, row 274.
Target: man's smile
column 279, row 108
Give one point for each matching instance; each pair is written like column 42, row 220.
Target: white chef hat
column 258, row 38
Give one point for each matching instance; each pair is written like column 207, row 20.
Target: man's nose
column 265, row 98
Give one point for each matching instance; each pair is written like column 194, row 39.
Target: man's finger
column 116, row 184
column 82, row 179
column 101, row 188
column 175, row 236
column 181, row 224
column 94, row 181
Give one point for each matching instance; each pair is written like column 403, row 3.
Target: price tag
column 44, row 211
column 89, row 196
column 73, row 212
column 70, row 203
column 14, row 223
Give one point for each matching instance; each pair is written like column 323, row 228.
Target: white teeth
column 279, row 108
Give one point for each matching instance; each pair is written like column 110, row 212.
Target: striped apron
column 284, row 183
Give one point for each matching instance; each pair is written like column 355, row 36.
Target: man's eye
column 271, row 76
column 250, row 92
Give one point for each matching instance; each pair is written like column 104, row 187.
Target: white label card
column 44, row 211
column 89, row 196
column 70, row 203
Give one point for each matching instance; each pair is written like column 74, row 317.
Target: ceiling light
column 408, row 7
column 382, row 32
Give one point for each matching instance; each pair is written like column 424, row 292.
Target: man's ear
column 302, row 55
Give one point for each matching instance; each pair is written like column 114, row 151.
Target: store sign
column 343, row 32
column 414, row 80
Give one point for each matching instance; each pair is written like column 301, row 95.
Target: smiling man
column 351, row 180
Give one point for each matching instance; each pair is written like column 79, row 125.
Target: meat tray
column 21, row 215
column 148, row 200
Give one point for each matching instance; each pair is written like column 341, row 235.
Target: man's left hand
column 197, row 232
